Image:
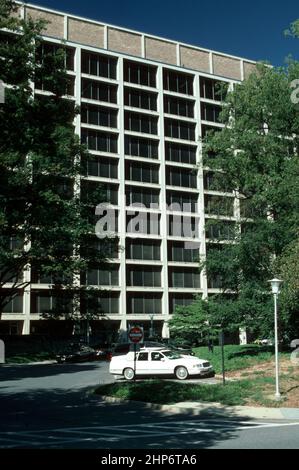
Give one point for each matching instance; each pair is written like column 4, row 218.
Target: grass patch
column 157, row 391
column 237, row 357
column 241, row 392
column 27, row 358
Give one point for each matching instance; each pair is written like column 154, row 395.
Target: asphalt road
column 51, row 406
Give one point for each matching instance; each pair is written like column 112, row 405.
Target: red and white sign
column 135, row 335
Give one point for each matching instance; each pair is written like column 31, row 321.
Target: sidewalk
column 218, row 410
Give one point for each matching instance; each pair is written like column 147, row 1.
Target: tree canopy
column 47, row 224
column 255, row 154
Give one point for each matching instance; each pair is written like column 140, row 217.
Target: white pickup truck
column 153, row 362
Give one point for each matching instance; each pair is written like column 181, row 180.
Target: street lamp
column 275, row 284
column 152, row 326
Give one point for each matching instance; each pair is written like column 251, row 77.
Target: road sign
column 135, row 335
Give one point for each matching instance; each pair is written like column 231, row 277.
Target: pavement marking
column 116, row 433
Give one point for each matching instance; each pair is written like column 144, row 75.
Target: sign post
column 221, row 342
column 135, row 336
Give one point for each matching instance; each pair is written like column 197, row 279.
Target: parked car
column 154, row 362
column 180, row 348
column 83, row 353
column 124, row 348
column 120, row 349
column 102, row 353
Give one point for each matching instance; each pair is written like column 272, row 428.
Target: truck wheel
column 181, row 373
column 129, row 374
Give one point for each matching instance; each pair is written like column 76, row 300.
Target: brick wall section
column 161, row 51
column 227, row 67
column 122, row 41
column 85, row 33
column 248, row 69
column 55, row 28
column 194, row 59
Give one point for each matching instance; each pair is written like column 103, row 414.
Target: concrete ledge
column 20, row 364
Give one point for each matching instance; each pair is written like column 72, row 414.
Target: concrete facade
column 159, row 96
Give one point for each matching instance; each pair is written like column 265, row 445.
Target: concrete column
column 200, row 186
column 243, row 336
column 163, row 206
column 122, row 202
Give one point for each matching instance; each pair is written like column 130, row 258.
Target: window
column 143, row 223
column 44, row 83
column 144, row 277
column 210, row 112
column 98, row 91
column 140, row 74
column 99, row 116
column 218, row 205
column 214, row 181
column 142, row 356
column 14, row 306
column 143, row 250
column 178, row 82
column 180, row 153
column 179, row 129
column 220, row 230
column 93, row 193
column 140, row 304
column 141, row 123
column 146, row 197
column 99, row 65
column 213, row 89
column 215, row 282
column 110, row 193
column 156, row 356
column 45, row 303
column 205, row 130
column 247, row 210
column 140, row 99
column 183, row 226
column 145, row 148
column 179, row 253
column 184, row 278
column 142, row 172
column 102, row 167
column 178, row 106
column 93, row 246
column 102, row 277
column 46, row 52
column 100, row 141
column 178, row 177
column 186, row 202
column 180, row 301
column 15, row 243
column 38, row 277
column 103, row 303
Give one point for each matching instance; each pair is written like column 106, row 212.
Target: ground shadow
column 19, row 372
column 251, row 351
column 80, row 419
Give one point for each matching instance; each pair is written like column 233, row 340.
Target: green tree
column 45, row 222
column 288, row 269
column 257, row 152
column 189, row 324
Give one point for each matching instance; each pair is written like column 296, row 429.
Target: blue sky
column 251, row 29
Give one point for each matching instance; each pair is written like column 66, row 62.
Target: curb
column 199, row 408
column 19, row 364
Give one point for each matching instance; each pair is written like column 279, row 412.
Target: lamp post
column 152, row 326
column 275, row 284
